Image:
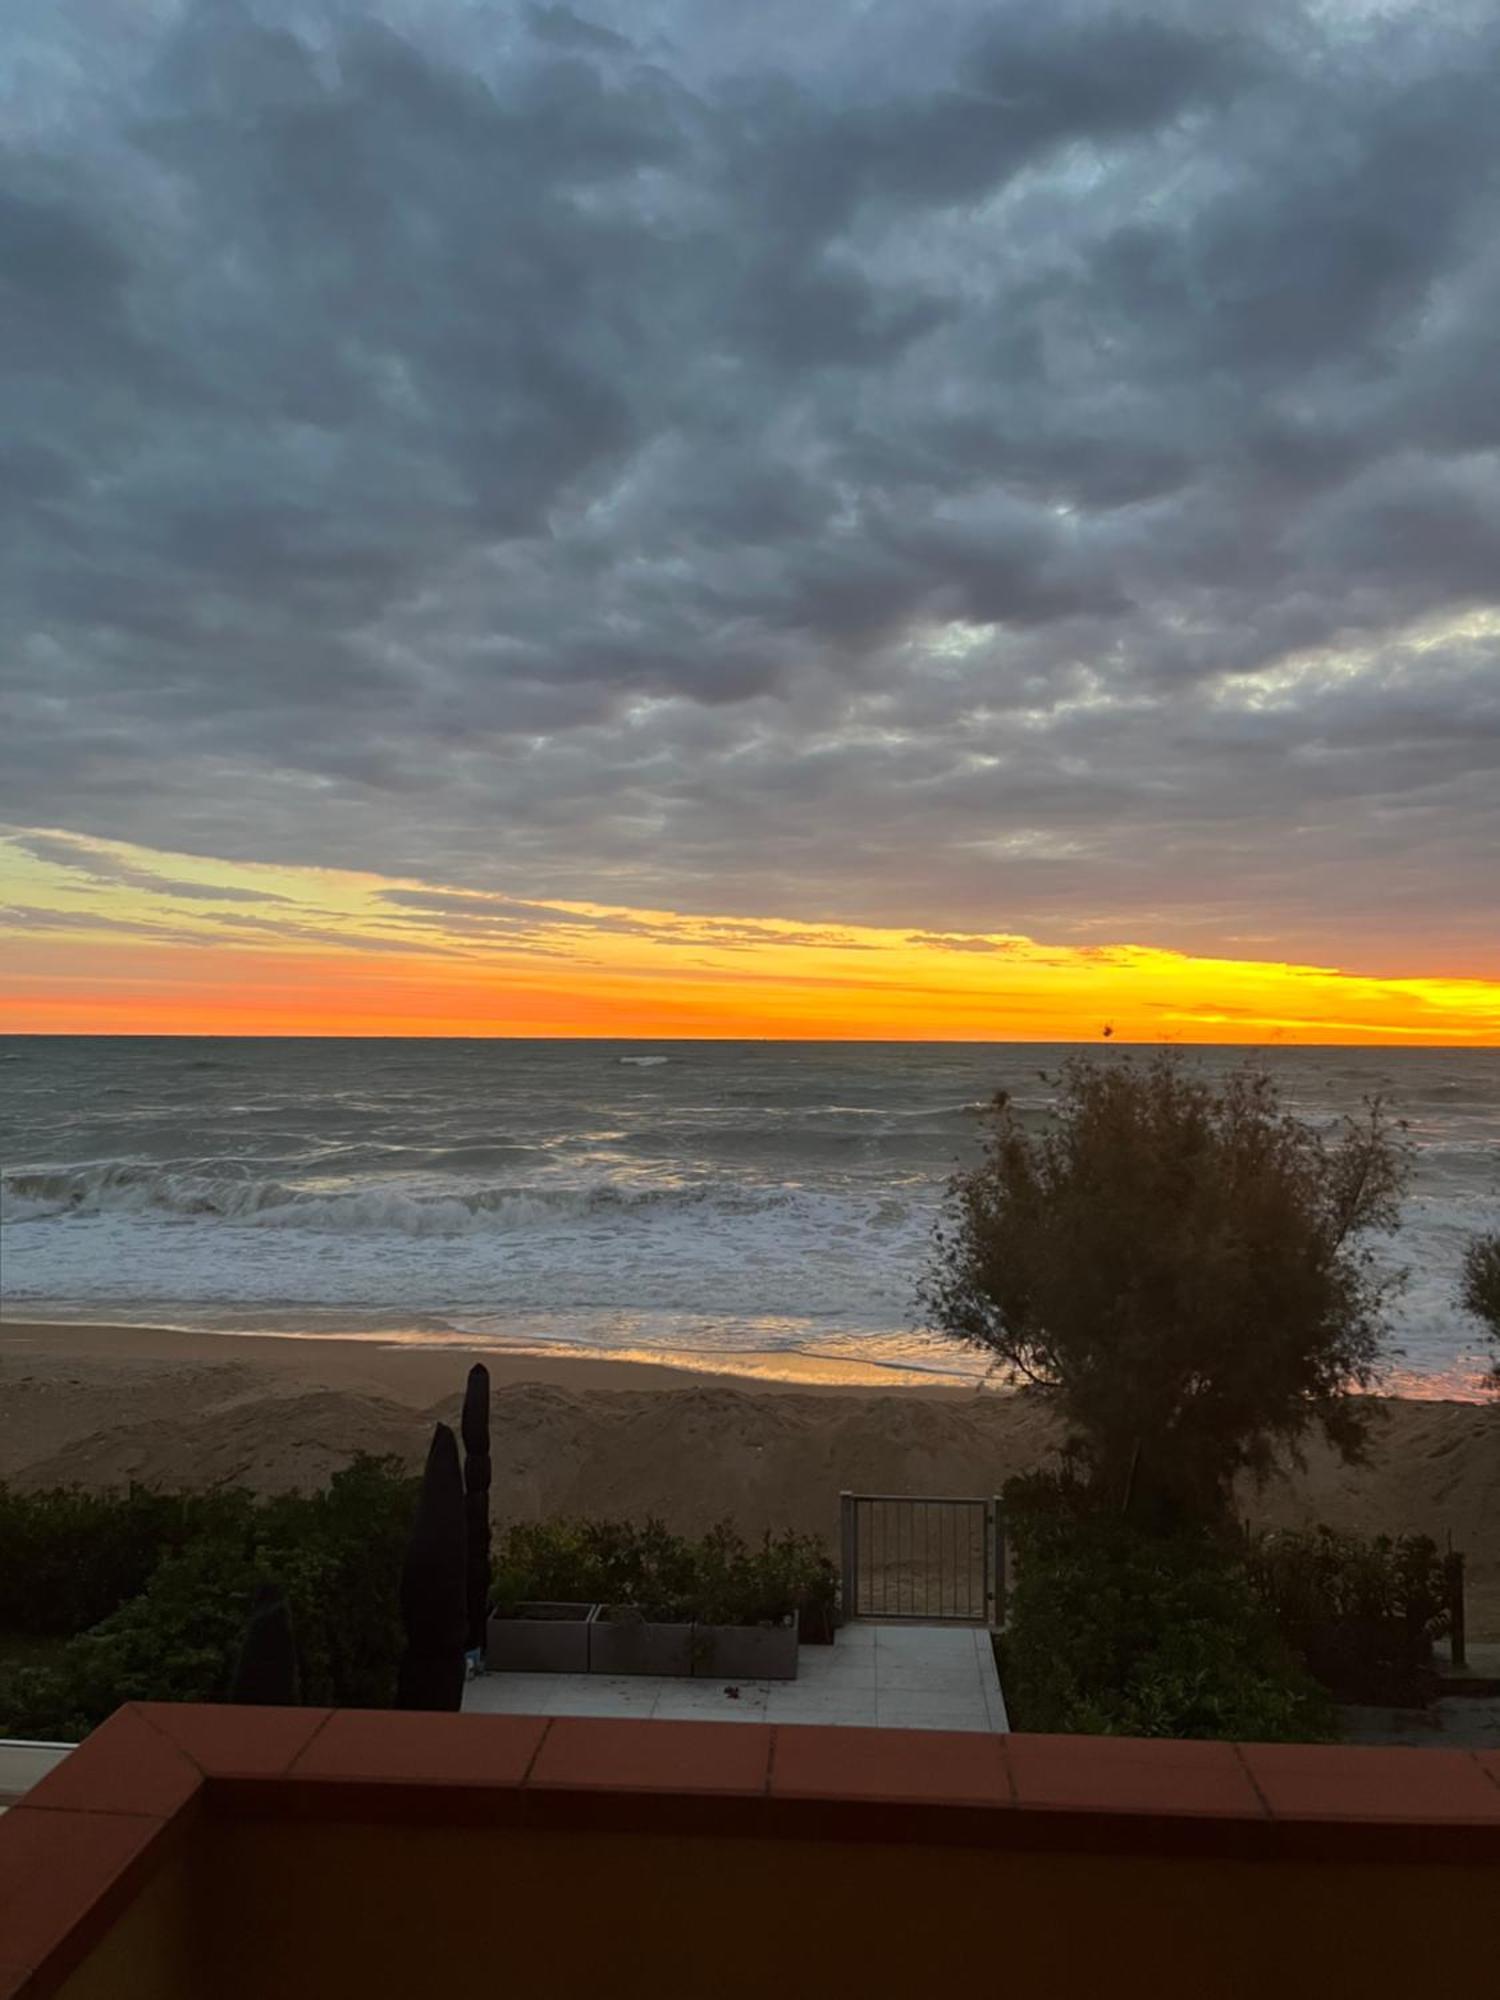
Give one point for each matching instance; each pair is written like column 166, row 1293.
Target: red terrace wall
column 198, row 1851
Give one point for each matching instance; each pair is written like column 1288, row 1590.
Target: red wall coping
column 84, row 1839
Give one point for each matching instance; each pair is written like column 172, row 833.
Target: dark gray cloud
column 967, row 468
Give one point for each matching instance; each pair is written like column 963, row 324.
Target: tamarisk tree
column 1182, row 1268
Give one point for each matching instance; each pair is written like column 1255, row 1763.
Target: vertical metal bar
column 1458, row 1638
column 1001, row 1580
column 846, row 1554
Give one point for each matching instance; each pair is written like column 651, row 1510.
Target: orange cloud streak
column 117, row 988
column 105, row 938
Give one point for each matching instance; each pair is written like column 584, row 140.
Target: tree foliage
column 1480, row 1293
column 1182, row 1267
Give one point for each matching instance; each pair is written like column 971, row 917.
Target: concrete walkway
column 885, row 1676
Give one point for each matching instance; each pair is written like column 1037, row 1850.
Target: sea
column 757, row 1208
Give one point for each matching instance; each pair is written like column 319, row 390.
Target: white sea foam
column 752, row 1199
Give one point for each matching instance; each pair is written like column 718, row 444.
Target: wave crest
column 188, row 1195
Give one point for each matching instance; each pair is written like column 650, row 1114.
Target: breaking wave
column 132, row 1188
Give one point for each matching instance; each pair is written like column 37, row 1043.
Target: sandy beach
column 101, row 1405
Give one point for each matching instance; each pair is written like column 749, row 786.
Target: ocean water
column 761, row 1207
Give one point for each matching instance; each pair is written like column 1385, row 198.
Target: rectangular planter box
column 636, row 1646
column 542, row 1639
column 745, row 1652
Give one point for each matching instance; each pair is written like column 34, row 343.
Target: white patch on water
column 746, row 1200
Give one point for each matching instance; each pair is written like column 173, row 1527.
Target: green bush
column 69, row 1558
column 1181, row 1269
column 1116, row 1632
column 1363, row 1614
column 718, row 1580
column 336, row 1554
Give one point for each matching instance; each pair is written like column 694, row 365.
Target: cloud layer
column 982, row 470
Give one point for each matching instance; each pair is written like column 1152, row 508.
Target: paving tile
column 512, row 1694
column 604, row 1695
column 707, row 1698
column 994, row 1708
column 1131, row 1775
column 853, row 1710
column 919, row 1711
column 944, row 1767
column 591, row 1754
column 125, row 1766
column 382, row 1746
column 732, row 1714
column 906, row 1678
column 821, row 1695
column 942, row 1645
column 857, row 1638
column 847, row 1670
column 227, row 1741
column 1329, row 1782
column 56, row 1869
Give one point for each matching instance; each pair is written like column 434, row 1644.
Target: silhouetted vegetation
column 1179, row 1267
column 180, row 1605
column 434, row 1586
column 1361, row 1613
column 718, row 1579
column 1114, row 1631
column 475, row 1430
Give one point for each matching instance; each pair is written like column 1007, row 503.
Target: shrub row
column 719, row 1579
column 68, row 1558
column 336, row 1554
column 1362, row 1614
column 1116, row 1632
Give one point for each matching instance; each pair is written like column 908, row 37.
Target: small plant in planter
column 750, row 1602
column 667, row 1604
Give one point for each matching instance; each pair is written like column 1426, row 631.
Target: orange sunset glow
column 105, row 938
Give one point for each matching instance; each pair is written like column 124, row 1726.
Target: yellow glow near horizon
column 107, row 938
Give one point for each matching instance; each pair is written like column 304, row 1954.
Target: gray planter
column 633, row 1645
column 540, row 1639
column 745, row 1652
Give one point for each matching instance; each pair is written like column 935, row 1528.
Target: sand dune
column 101, row 1406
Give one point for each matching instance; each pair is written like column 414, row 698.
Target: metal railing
column 923, row 1557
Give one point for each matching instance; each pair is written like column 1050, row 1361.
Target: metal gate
column 929, row 1559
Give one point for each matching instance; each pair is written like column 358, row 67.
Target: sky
column 959, row 520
